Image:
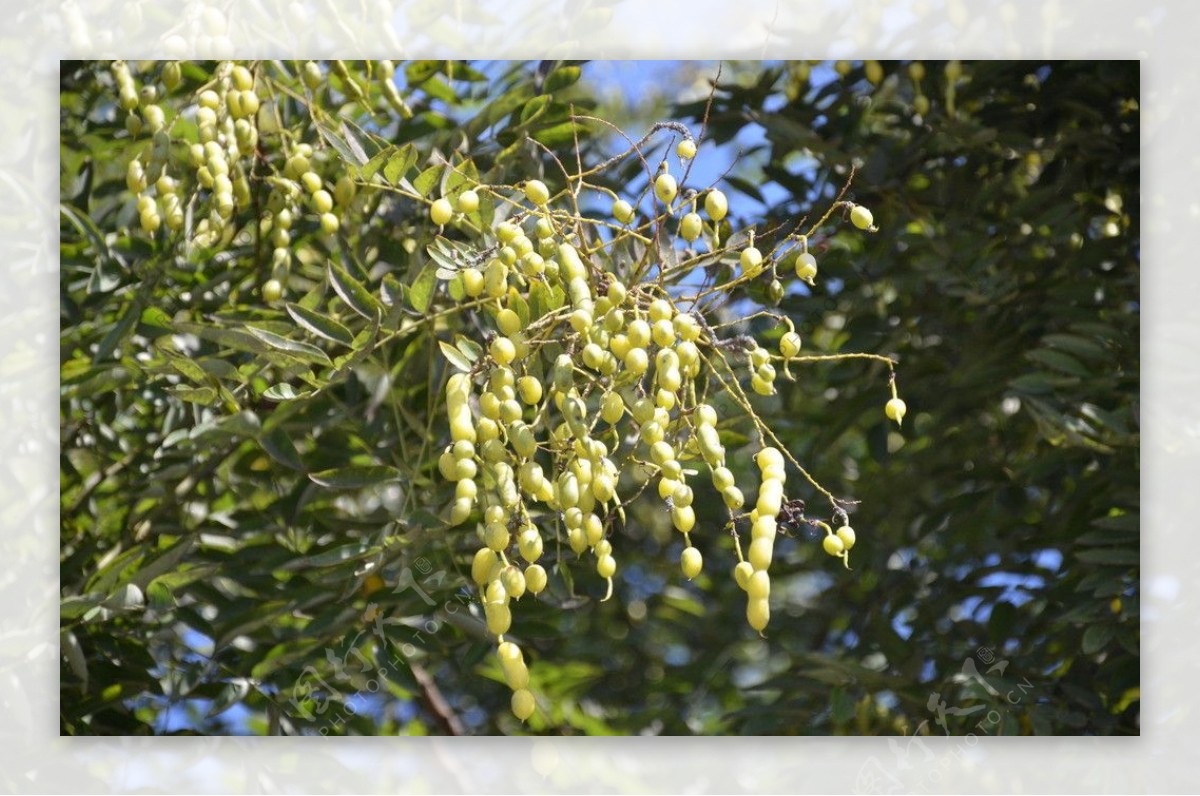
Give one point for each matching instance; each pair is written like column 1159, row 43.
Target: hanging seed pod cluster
column 597, row 380
column 605, row 363
column 218, row 166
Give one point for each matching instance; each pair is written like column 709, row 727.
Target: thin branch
column 433, row 700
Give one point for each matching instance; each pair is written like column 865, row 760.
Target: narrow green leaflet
column 362, row 346
column 321, row 325
column 470, row 349
column 517, row 303
column 399, row 162
column 544, row 299
column 1095, row 638
column 153, row 316
column 420, row 293
column 295, row 348
column 351, row 291
column 351, row 153
column 462, row 175
column 159, row 596
column 354, row 551
column 561, row 78
column 230, row 338
column 1076, row 345
column 558, row 135
column 187, row 367
column 88, row 229
column 355, row 477
column 428, row 179
column 372, row 166
column 123, row 327
column 362, row 144
column 282, row 392
column 1112, row 556
column 233, row 692
column 1059, row 361
column 280, row 447
column 205, row 396
column 455, row 357
column 534, row 108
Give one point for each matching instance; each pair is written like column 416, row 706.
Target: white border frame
column 1160, row 34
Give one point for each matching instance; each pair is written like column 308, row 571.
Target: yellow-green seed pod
column 522, row 439
column 789, row 345
column 847, row 535
column 593, row 528
column 665, row 188
column 690, row 227
column 806, row 266
column 768, row 457
column 759, row 586
column 345, row 190
column 535, row 578
column 742, row 574
column 461, row 510
column 603, row 487
column 503, row 350
column 472, row 281
column 577, row 539
column 537, row 192
column 861, row 217
column 758, row 614
column 496, row 536
column 530, row 390
column 612, row 408
column 466, row 489
column 709, row 443
column 637, row 361
column 684, row 518
column 638, row 333
column 722, row 478
column 516, row 673
column 732, row 497
column 764, row 527
column 622, row 211
column 495, row 278
column 172, row 75
column 661, row 451
column 312, row 75
column 481, row 565
column 499, row 618
column 760, row 553
column 514, row 581
column 770, row 498
column 529, row 544
column 670, row 379
column 496, row 593
column 716, row 205
column 751, row 261
column 523, row 704
column 663, row 333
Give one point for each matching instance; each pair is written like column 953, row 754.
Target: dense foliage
column 254, row 526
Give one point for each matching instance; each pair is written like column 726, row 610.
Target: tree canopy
column 262, row 532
